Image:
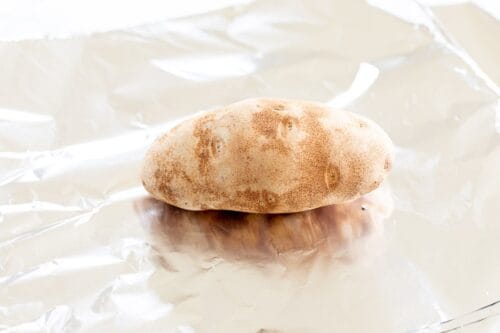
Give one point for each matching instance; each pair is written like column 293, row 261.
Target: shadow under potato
column 235, row 235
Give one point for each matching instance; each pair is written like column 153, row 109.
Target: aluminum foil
column 86, row 86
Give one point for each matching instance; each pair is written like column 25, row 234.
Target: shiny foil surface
column 86, row 86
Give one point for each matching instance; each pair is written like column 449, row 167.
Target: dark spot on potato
column 215, row 146
column 203, row 133
column 387, row 164
column 277, row 106
column 332, row 176
column 374, row 185
column 270, row 199
column 287, row 123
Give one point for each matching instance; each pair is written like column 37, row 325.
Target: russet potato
column 268, row 156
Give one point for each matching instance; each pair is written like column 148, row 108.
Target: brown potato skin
column 268, row 156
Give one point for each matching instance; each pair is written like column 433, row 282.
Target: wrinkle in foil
column 83, row 248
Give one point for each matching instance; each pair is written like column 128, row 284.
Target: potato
column 268, row 156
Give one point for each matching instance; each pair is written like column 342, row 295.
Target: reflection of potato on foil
column 229, row 234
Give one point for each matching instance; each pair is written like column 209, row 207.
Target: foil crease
column 87, row 86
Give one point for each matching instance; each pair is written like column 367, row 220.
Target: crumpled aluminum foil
column 86, row 86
